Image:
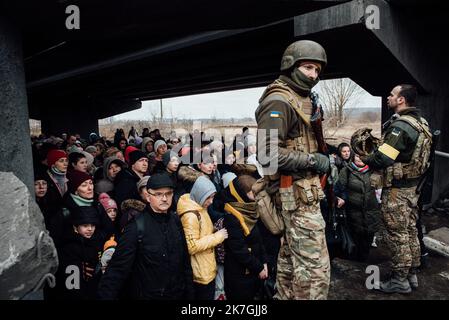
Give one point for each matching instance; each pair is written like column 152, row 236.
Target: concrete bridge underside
column 74, row 77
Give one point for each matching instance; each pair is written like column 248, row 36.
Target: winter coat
column 340, row 163
column 201, row 239
column 362, row 208
column 62, row 222
column 187, row 175
column 130, row 208
column 53, row 197
column 78, row 251
column 244, row 260
column 125, row 186
column 155, row 165
column 157, row 268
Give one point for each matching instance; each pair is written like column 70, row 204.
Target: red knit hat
column 76, row 178
column 128, row 150
column 54, row 155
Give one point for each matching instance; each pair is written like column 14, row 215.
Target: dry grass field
column 226, row 127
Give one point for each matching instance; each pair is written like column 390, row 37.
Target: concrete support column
column 15, row 143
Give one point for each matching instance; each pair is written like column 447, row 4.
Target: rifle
column 425, row 185
column 316, row 123
column 339, row 234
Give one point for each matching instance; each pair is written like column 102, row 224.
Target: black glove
column 320, row 163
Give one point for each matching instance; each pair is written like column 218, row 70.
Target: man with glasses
column 151, row 260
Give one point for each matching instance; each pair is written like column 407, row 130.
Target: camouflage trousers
column 303, row 267
column 400, row 212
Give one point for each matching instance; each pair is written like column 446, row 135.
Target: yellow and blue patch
column 275, row 114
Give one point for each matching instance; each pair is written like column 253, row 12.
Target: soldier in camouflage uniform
column 403, row 157
column 303, row 268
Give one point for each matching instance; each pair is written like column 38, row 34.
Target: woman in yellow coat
column 200, row 236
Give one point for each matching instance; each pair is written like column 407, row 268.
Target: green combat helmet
column 363, row 142
column 303, row 50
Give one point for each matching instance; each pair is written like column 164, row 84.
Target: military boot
column 413, row 278
column 395, row 284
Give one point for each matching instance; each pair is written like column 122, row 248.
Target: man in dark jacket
column 151, row 256
column 125, row 184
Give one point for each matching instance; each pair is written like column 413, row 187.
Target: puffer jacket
column 362, row 209
column 201, row 239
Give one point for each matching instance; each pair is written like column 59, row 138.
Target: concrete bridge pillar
column 15, row 143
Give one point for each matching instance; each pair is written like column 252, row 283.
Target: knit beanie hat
column 91, row 149
column 167, row 157
column 158, row 143
column 160, row 180
column 202, row 189
column 76, row 178
column 142, row 182
column 85, row 215
column 108, row 252
column 238, row 188
column 55, row 155
column 228, row 177
column 89, row 158
column 74, row 148
column 106, row 201
column 128, row 150
column 135, row 156
column 138, row 141
column 40, row 174
column 246, row 182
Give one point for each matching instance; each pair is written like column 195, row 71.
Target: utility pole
column 161, row 109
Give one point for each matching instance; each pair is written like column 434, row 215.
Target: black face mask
column 302, row 81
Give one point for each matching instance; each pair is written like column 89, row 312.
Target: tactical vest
column 419, row 161
column 306, row 190
column 306, row 142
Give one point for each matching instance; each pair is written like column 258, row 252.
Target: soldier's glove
column 318, row 162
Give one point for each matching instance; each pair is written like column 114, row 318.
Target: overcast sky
column 229, row 104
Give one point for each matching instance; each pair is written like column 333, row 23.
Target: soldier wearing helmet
column 403, row 157
column 303, row 269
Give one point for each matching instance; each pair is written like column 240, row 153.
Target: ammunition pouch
column 308, row 191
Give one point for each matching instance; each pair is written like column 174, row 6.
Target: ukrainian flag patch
column 275, row 114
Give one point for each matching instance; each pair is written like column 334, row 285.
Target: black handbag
column 338, row 238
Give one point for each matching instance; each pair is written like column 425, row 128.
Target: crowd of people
column 200, row 236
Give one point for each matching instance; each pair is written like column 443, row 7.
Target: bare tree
column 336, row 94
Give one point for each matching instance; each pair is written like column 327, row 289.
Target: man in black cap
column 125, row 184
column 152, row 252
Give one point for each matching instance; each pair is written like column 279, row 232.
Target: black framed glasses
column 161, row 195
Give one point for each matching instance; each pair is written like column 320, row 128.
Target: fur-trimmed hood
column 132, row 204
column 189, row 174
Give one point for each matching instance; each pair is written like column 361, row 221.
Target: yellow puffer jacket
column 201, row 239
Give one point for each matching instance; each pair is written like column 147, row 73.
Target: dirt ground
column 348, row 277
